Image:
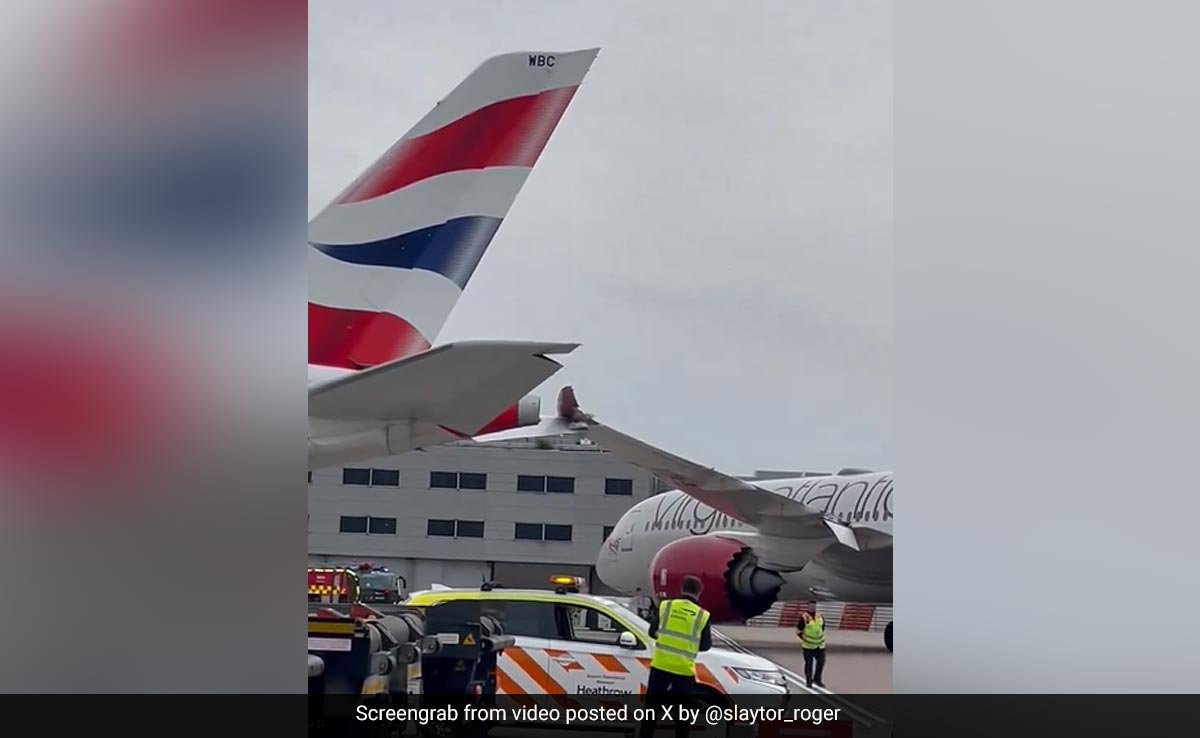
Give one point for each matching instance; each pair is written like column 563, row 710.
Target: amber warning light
column 568, row 583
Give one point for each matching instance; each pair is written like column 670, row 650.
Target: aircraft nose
column 607, row 558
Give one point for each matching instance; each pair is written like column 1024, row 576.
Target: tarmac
column 856, row 661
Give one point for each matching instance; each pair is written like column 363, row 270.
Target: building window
column 618, row 486
column 385, row 477
column 470, row 529
column 608, row 529
column 440, row 528
column 353, row 524
column 310, row 477
column 443, row 480
column 470, row 480
column 542, row 532
column 528, row 532
column 356, row 476
column 455, row 480
column 564, row 485
column 382, row 525
column 558, row 532
column 526, row 483
column 455, row 528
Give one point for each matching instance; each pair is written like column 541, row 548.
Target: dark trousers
column 665, row 688
column 814, row 658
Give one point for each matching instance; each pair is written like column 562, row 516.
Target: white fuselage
column 862, row 501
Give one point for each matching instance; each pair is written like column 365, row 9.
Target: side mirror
column 628, row 640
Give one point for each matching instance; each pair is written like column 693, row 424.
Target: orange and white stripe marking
column 552, row 676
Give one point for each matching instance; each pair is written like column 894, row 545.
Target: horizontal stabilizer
column 458, row 386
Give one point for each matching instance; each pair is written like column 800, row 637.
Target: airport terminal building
column 465, row 513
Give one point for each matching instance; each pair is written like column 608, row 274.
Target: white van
column 570, row 643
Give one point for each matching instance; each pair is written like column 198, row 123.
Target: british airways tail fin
column 391, row 255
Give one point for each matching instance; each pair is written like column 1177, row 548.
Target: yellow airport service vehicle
column 571, row 643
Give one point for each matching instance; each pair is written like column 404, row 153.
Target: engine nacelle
column 735, row 587
column 527, row 411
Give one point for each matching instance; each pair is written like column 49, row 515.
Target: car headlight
column 774, row 677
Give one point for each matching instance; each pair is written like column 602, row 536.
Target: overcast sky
column 711, row 220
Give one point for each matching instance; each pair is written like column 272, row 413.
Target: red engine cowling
column 735, row 587
column 526, row 412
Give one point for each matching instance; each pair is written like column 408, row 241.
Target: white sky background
column 711, row 220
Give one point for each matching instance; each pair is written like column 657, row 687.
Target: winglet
column 568, row 406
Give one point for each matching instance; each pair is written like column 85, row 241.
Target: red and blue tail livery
column 391, row 255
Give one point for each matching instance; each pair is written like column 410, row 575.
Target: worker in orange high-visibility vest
column 811, row 630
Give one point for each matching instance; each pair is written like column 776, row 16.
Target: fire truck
column 364, row 583
column 378, row 585
column 332, row 585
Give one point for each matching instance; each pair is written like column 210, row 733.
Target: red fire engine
column 363, row 583
column 332, row 585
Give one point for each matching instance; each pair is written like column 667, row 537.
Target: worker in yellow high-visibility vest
column 680, row 630
column 811, row 630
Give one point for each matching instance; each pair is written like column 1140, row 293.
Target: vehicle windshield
column 627, row 613
column 377, row 581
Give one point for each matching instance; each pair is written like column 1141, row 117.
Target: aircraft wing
column 770, row 513
column 458, row 386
